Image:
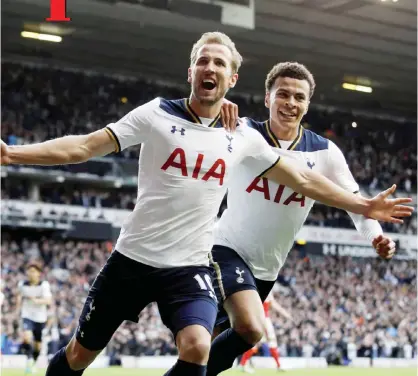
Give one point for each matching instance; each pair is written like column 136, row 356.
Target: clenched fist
column 385, row 247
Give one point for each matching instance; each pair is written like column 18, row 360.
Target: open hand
column 229, row 115
column 388, row 209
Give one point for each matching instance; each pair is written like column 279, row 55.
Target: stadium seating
column 40, row 103
column 345, row 304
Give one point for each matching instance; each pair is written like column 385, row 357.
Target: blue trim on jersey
column 176, row 108
column 311, row 142
column 181, row 109
column 261, row 127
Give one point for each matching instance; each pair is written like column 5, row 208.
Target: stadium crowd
column 70, row 268
column 348, row 301
column 40, row 103
column 320, row 215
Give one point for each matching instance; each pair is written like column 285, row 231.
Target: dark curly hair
column 293, row 70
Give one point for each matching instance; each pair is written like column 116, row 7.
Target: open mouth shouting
column 209, row 85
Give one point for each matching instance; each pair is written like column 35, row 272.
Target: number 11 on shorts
column 206, row 285
column 58, row 11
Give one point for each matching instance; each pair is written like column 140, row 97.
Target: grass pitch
column 260, row 372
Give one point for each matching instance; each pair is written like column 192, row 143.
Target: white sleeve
column 338, row 170
column 369, row 228
column 135, row 127
column 259, row 153
column 340, row 174
column 46, row 290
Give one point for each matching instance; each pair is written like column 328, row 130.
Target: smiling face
column 211, row 74
column 288, row 101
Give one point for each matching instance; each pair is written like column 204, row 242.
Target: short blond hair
column 217, row 37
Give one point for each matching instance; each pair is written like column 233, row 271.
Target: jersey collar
column 216, row 123
column 276, row 142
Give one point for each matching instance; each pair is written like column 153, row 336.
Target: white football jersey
column 183, row 171
column 263, row 218
column 30, row 310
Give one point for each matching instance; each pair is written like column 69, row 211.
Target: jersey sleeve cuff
column 115, row 139
column 268, row 169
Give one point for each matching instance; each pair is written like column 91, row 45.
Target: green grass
column 260, row 372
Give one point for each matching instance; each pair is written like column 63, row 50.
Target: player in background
column 33, row 300
column 257, row 230
column 269, row 336
column 162, row 252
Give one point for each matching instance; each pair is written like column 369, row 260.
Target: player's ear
column 189, row 75
column 233, row 81
column 306, row 108
column 267, row 99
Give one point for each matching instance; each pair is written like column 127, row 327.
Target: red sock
column 275, row 354
column 247, row 355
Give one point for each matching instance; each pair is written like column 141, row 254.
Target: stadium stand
column 352, row 300
column 350, row 304
column 38, row 109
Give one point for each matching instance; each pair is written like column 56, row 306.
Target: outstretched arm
column 134, row 128
column 339, row 172
column 370, row 229
column 63, row 150
column 320, row 188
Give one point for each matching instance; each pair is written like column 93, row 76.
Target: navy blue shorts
column 35, row 327
column 124, row 287
column 233, row 275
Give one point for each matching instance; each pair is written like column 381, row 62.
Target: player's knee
column 79, row 357
column 195, row 351
column 251, row 330
column 194, row 347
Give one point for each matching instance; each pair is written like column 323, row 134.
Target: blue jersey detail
column 261, row 127
column 176, row 108
column 310, row 141
column 181, row 109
